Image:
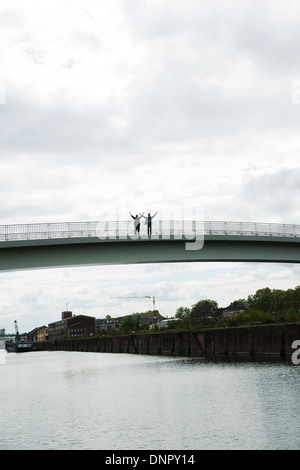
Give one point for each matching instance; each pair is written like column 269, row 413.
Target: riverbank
column 253, row 340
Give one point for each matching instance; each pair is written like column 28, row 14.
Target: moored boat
column 23, row 347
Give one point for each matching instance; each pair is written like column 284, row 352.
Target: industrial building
column 144, row 320
column 75, row 326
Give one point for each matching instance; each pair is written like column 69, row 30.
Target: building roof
column 35, row 330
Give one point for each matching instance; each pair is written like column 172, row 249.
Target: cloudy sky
column 152, row 102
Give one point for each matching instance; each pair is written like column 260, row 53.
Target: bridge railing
column 160, row 229
column 252, row 228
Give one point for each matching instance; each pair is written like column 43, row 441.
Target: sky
column 155, row 103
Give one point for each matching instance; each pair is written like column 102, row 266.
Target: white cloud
column 152, row 103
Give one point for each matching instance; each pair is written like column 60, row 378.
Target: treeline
column 275, row 300
column 265, row 306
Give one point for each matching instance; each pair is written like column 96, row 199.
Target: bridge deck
column 97, row 243
column 161, row 230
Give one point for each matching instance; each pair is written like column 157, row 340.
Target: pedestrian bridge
column 51, row 245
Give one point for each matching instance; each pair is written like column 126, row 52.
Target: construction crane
column 141, row 297
column 17, row 331
column 138, row 297
column 153, row 299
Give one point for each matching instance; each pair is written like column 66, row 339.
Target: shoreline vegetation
column 265, row 307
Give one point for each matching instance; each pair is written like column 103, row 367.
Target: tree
column 275, row 300
column 279, row 300
column 292, row 315
column 183, row 313
column 203, row 309
column 129, row 324
column 262, row 300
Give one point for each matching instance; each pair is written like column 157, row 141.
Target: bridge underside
column 55, row 253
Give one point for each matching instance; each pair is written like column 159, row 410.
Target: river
column 102, row 401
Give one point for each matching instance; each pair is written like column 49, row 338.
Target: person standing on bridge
column 149, row 222
column 137, row 224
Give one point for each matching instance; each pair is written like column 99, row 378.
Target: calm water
column 70, row 400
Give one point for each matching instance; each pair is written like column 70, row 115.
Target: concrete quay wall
column 252, row 340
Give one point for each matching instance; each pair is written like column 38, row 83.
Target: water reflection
column 71, row 400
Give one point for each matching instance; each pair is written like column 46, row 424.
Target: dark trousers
column 149, row 228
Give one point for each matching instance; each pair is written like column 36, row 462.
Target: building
column 42, row 333
column 144, row 319
column 148, row 319
column 38, row 334
column 80, row 325
column 108, row 323
column 74, row 326
column 229, row 313
column 57, row 330
column 165, row 323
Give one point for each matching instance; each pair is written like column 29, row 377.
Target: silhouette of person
column 137, row 222
column 149, row 222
